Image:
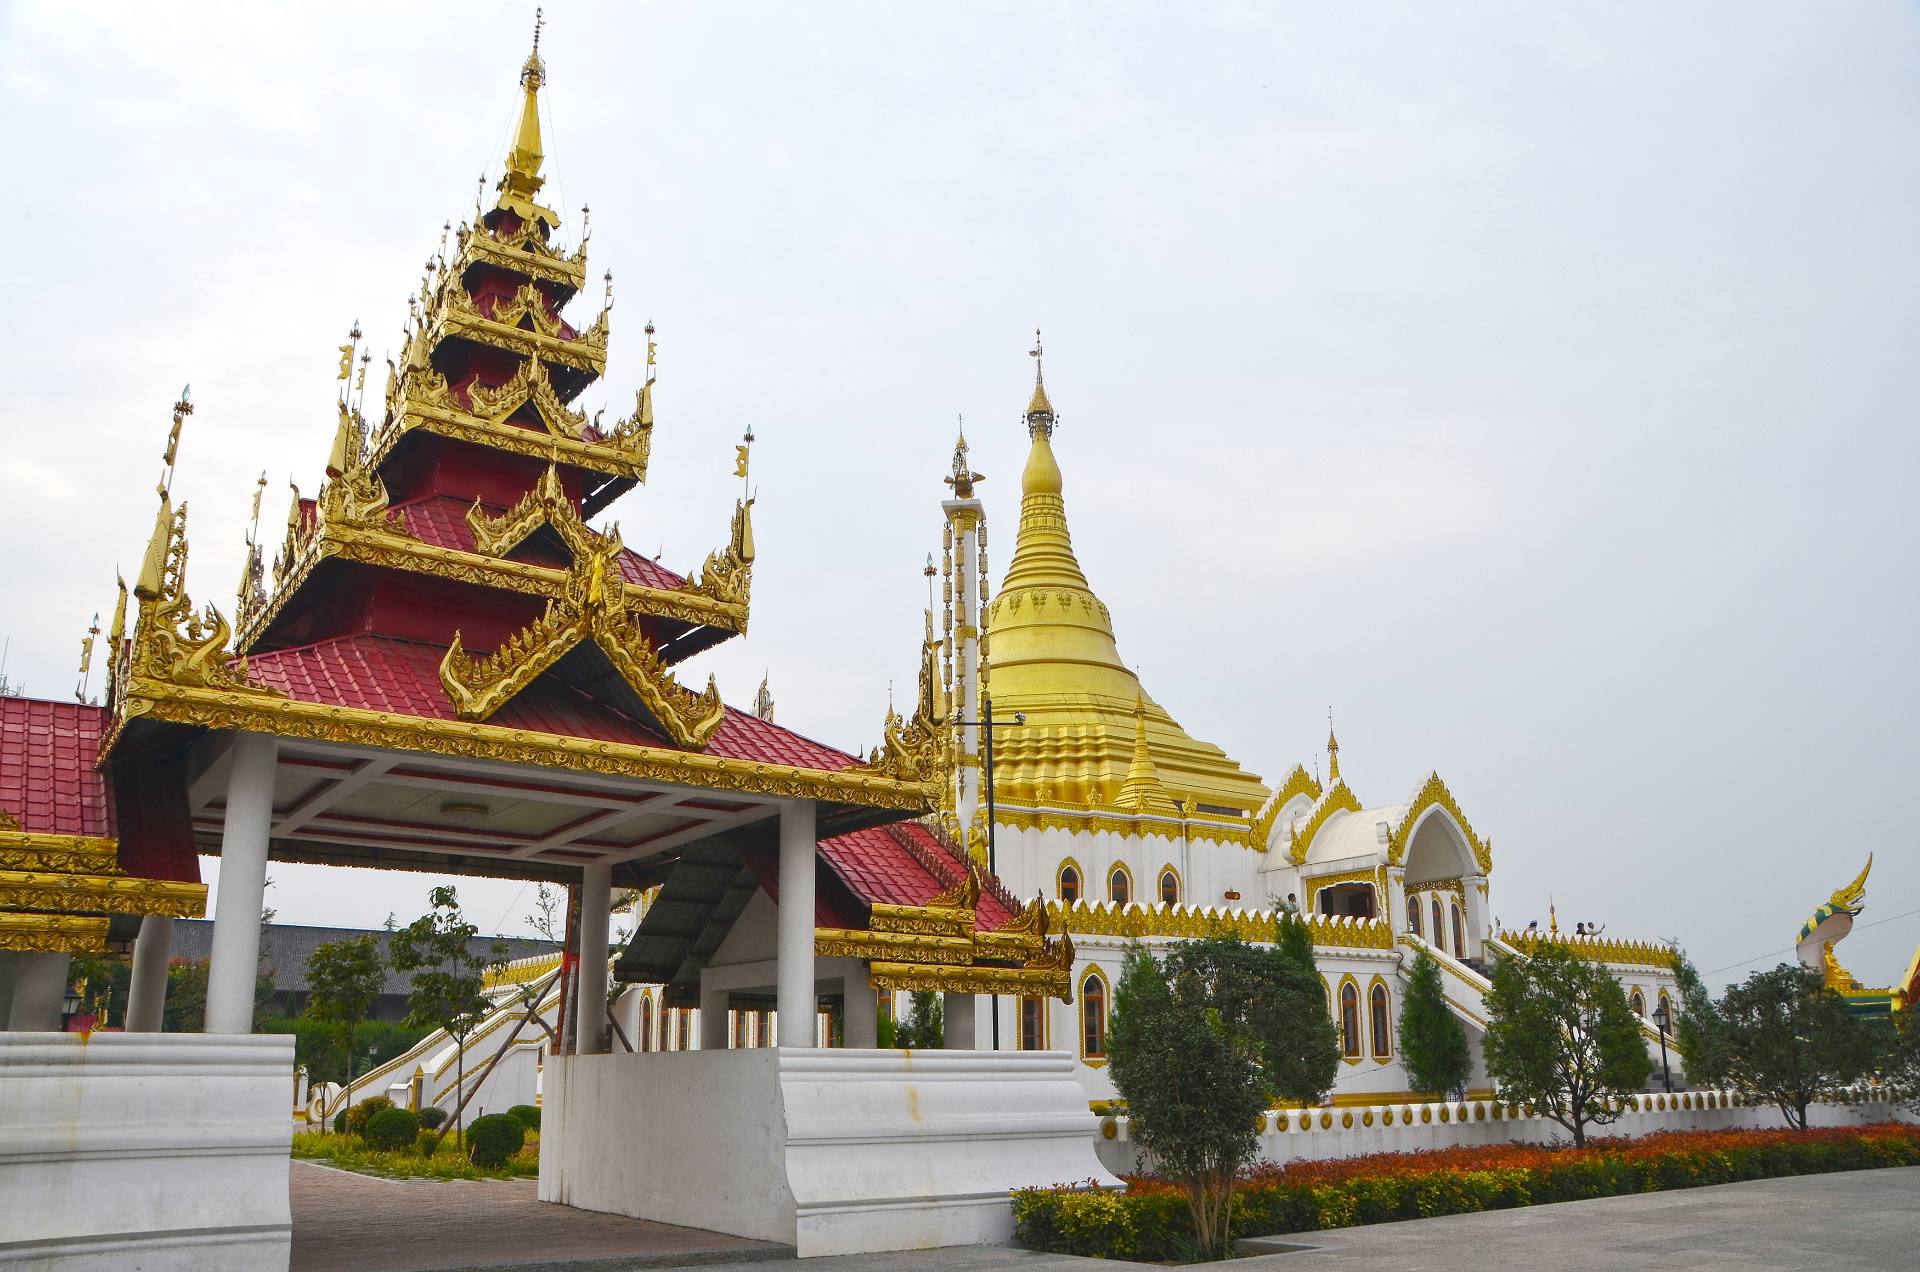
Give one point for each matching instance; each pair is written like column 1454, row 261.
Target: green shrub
column 433, row 1118
column 357, row 1115
column 340, row 1122
column 494, row 1138
column 527, row 1115
column 391, row 1129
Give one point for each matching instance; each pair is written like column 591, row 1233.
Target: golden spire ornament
column 1333, row 751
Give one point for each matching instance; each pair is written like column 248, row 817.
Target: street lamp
column 986, row 726
column 1662, row 1017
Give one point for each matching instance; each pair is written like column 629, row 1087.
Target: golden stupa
column 1054, row 659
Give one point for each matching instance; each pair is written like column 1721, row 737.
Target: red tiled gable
column 47, row 775
column 379, row 673
column 441, row 520
column 878, row 869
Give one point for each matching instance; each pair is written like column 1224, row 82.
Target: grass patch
column 1149, row 1222
column 350, row 1152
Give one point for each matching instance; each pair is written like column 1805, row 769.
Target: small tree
column 1699, row 1033
column 1433, row 1043
column 924, row 1029
column 447, row 976
column 344, row 978
column 1204, row 1042
column 1900, row 1062
column 1561, row 1037
column 1791, row 1040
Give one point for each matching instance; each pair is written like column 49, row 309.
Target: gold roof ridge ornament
column 591, row 610
column 522, row 180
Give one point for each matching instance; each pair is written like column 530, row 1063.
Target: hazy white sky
column 1535, row 384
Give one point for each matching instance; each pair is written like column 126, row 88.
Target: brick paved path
column 344, row 1222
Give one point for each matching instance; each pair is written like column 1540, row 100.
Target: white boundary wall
column 162, row 1152
column 832, row 1151
column 1316, row 1134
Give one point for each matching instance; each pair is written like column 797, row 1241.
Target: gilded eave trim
column 76, row 854
column 52, row 934
column 288, row 718
column 100, row 894
column 600, row 457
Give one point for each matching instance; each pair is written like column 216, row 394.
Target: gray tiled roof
column 287, row 947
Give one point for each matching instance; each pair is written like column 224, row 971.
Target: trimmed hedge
column 391, row 1129
column 357, row 1115
column 527, row 1115
column 494, row 1138
column 1150, row 1222
column 433, row 1118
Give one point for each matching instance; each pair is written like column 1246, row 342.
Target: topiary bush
column 433, row 1118
column 527, row 1115
column 340, row 1122
column 357, row 1115
column 494, row 1138
column 391, row 1129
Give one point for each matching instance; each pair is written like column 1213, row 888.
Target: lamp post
column 1662, row 1018
column 986, row 726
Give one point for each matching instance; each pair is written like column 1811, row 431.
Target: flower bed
column 350, row 1152
column 1150, row 1221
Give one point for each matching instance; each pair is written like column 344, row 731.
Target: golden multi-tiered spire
column 522, row 179
column 1055, row 659
column 1333, row 751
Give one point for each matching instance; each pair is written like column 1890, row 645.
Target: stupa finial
column 1040, row 416
column 1333, row 750
column 522, row 180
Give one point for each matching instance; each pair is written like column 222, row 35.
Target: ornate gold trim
column 530, row 384
column 1019, row 981
column 1107, row 919
column 1434, row 793
column 41, row 852
column 1095, row 972
column 1602, row 949
column 52, row 934
column 1094, row 818
column 100, row 894
column 352, row 726
column 1337, row 799
column 1298, row 782
column 1336, row 995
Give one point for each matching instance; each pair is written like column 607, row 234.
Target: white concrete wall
column 162, row 1152
column 1320, row 1134
column 829, row 1150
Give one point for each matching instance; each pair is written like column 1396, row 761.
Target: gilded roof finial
column 1040, row 416
column 522, row 180
column 1333, row 750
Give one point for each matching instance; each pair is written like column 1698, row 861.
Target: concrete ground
column 1855, row 1220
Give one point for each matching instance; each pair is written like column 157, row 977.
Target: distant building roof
column 287, row 946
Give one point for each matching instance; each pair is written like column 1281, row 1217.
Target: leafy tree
column 1699, row 1033
column 1433, row 1043
column 1791, row 1040
column 1201, row 1044
column 186, row 1006
column 1900, row 1063
column 447, row 976
column 924, row 1028
column 1561, row 1037
column 344, row 978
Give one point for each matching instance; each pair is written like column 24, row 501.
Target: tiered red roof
column 48, row 751
column 880, row 866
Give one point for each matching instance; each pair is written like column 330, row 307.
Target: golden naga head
column 1849, row 897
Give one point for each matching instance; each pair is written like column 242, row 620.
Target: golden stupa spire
column 1040, row 417
column 1333, row 751
column 1142, row 789
column 522, row 180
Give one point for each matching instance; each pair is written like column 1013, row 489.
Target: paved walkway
column 1834, row 1223
column 343, row 1222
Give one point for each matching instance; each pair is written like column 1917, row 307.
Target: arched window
column 1377, row 1009
column 1350, row 1021
column 1439, row 932
column 1069, row 884
column 1093, row 1018
column 1667, row 1004
column 1033, row 1024
column 646, row 1023
column 1459, row 932
column 1413, row 916
column 1119, row 886
column 1169, row 887
column 1637, row 1002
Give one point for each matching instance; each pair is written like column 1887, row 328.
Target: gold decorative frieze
column 589, row 611
column 947, row 951
column 1299, row 782
column 100, row 894
column 1337, row 799
column 76, row 854
column 529, row 384
column 1107, row 919
column 52, row 934
column 1600, row 949
column 546, row 504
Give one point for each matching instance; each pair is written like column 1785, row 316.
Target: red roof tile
column 879, row 869
column 47, row 774
column 379, row 673
column 441, row 520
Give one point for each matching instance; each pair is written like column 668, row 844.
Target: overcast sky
column 1534, row 384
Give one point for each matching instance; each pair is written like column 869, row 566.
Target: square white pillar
column 794, row 996
column 39, row 992
column 590, row 989
column 147, row 1000
column 960, row 1024
column 235, row 962
column 860, row 1026
column 713, row 1014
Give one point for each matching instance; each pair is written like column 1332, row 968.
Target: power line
column 1892, row 918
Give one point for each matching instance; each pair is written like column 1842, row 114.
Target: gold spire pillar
column 965, row 518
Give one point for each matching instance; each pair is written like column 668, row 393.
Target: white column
column 860, row 1027
column 713, row 1016
column 151, row 950
column 590, row 993
column 1478, row 924
column 960, row 1023
column 963, row 515
column 1394, row 904
column 794, row 995
column 243, row 882
column 39, row 992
